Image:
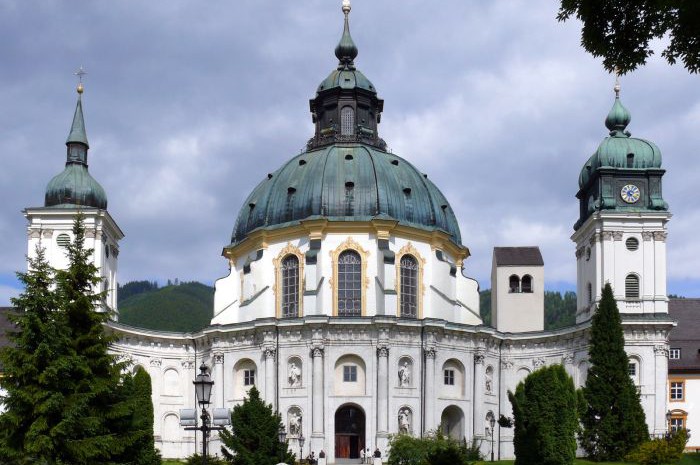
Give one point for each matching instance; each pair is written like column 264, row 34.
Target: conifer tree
column 544, row 410
column 31, row 367
column 253, row 437
column 612, row 418
column 65, row 402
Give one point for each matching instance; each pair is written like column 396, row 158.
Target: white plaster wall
column 518, row 311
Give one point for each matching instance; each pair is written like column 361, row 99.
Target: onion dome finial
column 346, row 50
column 619, row 117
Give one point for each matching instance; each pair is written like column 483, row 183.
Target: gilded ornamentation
column 409, row 249
column 289, row 249
column 349, row 244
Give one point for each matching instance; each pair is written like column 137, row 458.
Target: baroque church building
column 346, row 303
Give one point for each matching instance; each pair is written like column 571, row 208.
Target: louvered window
column 347, row 121
column 349, row 284
column 632, row 244
column 63, row 240
column 632, row 286
column 290, row 287
column 409, row 286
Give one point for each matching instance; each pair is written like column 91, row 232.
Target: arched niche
column 295, row 372
column 245, row 376
column 349, row 376
column 171, row 382
column 453, row 379
column 452, row 422
column 405, row 372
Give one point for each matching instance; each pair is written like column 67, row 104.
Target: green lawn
column 688, row 459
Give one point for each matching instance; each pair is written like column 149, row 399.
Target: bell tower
column 71, row 192
column 620, row 235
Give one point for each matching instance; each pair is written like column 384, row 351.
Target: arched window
column 290, row 287
column 347, row 121
column 632, row 286
column 514, row 284
column 409, row 286
column 349, row 284
column 526, row 285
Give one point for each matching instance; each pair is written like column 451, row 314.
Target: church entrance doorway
column 349, row 432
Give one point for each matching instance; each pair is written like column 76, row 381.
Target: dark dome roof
column 75, row 187
column 349, row 182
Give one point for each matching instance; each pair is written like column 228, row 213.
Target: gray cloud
column 189, row 105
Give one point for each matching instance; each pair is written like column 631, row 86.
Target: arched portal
column 349, row 432
column 452, row 422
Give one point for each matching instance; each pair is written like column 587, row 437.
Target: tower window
column 347, row 121
column 409, row 286
column 590, row 293
column 630, row 160
column 290, row 287
column 632, row 244
column 349, row 284
column 449, row 377
column 632, row 286
column 514, row 283
column 526, row 284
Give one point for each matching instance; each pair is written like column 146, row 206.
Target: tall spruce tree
column 612, row 418
column 32, row 368
column 65, row 401
column 254, row 435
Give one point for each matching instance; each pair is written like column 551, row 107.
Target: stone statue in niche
column 294, row 375
column 294, row 423
column 404, row 421
column 489, row 381
column 405, row 375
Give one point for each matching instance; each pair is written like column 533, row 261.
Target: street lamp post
column 202, row 388
column 301, row 446
column 492, row 421
column 282, row 437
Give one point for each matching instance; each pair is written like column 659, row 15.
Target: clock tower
column 621, row 231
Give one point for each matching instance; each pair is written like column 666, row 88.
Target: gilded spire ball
column 346, row 6
column 80, row 73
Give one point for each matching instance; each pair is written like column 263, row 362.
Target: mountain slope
column 186, row 307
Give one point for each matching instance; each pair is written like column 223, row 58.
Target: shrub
column 544, row 410
column 436, row 449
column 660, row 450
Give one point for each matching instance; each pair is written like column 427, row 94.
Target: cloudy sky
column 189, row 104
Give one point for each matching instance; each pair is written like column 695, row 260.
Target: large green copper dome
column 350, row 182
column 346, row 174
column 75, row 187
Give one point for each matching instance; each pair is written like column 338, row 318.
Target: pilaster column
column 383, row 390
column 219, row 379
column 660, row 388
column 430, row 393
column 317, row 390
column 479, row 380
column 270, row 378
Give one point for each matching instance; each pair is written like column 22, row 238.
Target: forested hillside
column 559, row 310
column 183, row 307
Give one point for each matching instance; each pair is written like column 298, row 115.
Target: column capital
column 507, row 364
column 156, row 362
column 538, row 362
column 317, row 350
column 479, row 357
column 430, row 352
column 218, row 357
column 383, row 350
column 567, row 359
column 661, row 351
column 270, row 352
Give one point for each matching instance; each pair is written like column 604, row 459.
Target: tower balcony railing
column 328, row 137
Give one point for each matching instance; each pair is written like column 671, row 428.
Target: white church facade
column 346, row 304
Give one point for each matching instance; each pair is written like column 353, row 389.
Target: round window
column 632, row 243
column 63, row 240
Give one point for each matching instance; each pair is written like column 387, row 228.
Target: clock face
column 630, row 193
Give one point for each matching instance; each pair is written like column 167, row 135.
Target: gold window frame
column 289, row 249
column 349, row 244
column 683, row 386
column 409, row 249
